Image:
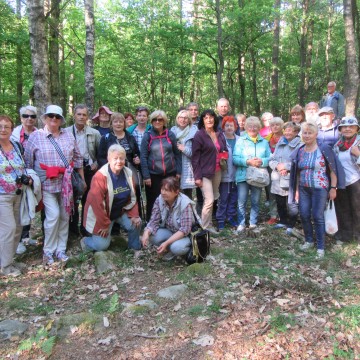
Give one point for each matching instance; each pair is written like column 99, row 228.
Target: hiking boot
column 62, row 256
column 10, row 270
column 306, row 246
column 21, row 248
column 48, row 258
column 221, row 226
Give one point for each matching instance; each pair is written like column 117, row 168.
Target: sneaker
column 240, row 228
column 279, row 226
column 267, row 203
column 212, row 230
column 221, row 226
column 289, row 231
column 29, row 241
column 10, row 270
column 21, row 248
column 168, row 256
column 252, row 226
column 320, row 254
column 48, row 258
column 62, row 256
column 272, row 221
column 306, row 246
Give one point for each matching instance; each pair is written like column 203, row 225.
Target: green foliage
column 279, row 322
column 109, row 305
column 41, row 341
column 196, row 310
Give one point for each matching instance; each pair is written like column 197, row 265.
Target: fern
column 114, row 303
column 48, row 344
column 26, row 345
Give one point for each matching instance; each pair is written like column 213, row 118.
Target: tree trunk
column 254, row 82
column 39, row 55
column 19, row 61
column 193, row 77
column 309, row 49
column 303, row 47
column 62, row 75
column 89, row 55
column 355, row 10
column 328, row 41
column 352, row 74
column 220, row 68
column 241, row 77
column 54, row 21
column 275, row 60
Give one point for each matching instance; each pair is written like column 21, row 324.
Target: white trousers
column 56, row 224
column 10, row 228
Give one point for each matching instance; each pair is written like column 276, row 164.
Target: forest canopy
column 263, row 55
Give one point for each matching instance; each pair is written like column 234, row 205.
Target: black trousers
column 287, row 212
column 348, row 213
column 153, row 191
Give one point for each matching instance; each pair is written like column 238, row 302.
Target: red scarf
column 345, row 144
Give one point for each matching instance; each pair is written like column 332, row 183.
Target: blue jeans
column 227, row 202
column 99, row 243
column 312, row 204
column 178, row 247
column 243, row 193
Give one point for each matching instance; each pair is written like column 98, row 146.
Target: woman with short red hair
column 227, row 204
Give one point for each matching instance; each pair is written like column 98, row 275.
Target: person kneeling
column 111, row 199
column 171, row 221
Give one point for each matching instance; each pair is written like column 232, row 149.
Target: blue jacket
column 337, row 103
column 229, row 174
column 332, row 164
column 246, row 149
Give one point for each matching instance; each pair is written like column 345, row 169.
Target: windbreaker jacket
column 159, row 156
column 337, row 103
column 332, row 164
column 229, row 174
column 246, row 149
column 204, row 154
column 100, row 199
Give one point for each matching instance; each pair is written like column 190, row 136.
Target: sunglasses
column 25, row 116
column 348, row 121
column 51, row 116
column 158, row 120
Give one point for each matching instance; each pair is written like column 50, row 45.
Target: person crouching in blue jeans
column 112, row 199
column 171, row 220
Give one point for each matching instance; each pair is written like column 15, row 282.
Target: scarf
column 345, row 144
column 182, row 134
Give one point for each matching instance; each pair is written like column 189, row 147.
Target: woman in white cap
column 45, row 152
column 347, row 201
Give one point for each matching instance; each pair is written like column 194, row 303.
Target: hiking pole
column 141, row 197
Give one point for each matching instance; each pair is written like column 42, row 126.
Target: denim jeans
column 178, row 247
column 243, row 193
column 99, row 243
column 227, row 208
column 312, row 204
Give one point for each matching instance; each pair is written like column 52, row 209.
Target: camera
column 23, row 179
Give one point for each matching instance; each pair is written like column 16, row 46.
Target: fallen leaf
column 177, row 307
column 204, row 340
column 282, row 302
column 106, row 321
column 106, row 341
column 329, row 280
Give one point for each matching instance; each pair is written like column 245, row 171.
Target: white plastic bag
column 331, row 225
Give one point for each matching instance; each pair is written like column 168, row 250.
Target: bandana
column 346, row 144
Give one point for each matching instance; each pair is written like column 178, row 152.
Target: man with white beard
column 311, row 112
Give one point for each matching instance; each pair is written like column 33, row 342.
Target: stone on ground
column 9, row 328
column 104, row 261
column 172, row 292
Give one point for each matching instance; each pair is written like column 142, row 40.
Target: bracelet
column 333, row 187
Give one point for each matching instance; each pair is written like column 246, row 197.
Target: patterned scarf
column 67, row 191
column 346, row 144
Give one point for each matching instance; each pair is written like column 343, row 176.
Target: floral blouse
column 312, row 168
column 10, row 168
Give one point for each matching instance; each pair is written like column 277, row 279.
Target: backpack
column 164, row 136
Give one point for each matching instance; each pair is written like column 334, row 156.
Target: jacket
column 204, row 154
column 332, row 164
column 329, row 136
column 337, row 103
column 100, row 199
column 110, row 139
column 187, row 180
column 282, row 153
column 16, row 135
column 229, row 175
column 355, row 160
column 159, row 154
column 131, row 128
column 246, row 149
column 92, row 139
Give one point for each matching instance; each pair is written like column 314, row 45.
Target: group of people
column 215, row 158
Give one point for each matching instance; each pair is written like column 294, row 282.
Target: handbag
column 285, row 181
column 258, row 177
column 200, row 242
column 331, row 224
column 223, row 156
column 76, row 180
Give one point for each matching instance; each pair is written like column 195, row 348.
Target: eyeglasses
column 25, row 116
column 158, row 120
column 51, row 116
column 4, row 127
column 253, row 127
column 348, row 121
